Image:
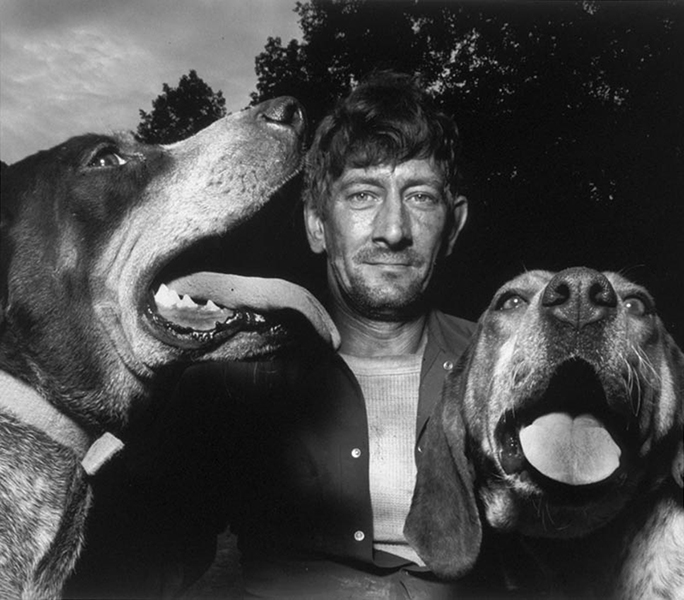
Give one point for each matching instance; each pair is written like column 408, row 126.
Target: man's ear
column 315, row 229
column 460, row 214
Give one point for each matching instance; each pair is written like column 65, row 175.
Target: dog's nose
column 579, row 296
column 285, row 111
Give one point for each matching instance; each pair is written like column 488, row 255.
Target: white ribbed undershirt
column 390, row 386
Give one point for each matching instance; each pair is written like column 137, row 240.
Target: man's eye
column 107, row 157
column 423, row 198
column 361, row 198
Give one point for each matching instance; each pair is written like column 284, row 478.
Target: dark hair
column 387, row 119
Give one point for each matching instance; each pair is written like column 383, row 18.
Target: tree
column 177, row 113
column 571, row 113
column 342, row 41
column 566, row 66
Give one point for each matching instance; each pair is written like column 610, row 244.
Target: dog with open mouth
column 99, row 307
column 569, row 408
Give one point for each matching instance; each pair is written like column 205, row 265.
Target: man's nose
column 392, row 223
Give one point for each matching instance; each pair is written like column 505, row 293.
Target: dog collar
column 27, row 405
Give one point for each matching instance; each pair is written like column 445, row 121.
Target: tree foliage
column 572, row 116
column 177, row 113
column 558, row 71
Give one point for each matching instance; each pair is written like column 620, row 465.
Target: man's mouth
column 406, row 257
column 398, row 260
column 390, row 264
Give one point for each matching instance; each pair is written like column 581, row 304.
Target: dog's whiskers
column 641, row 374
column 645, row 361
column 632, row 385
column 519, row 370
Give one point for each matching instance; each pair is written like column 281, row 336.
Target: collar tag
column 102, row 450
column 28, row 406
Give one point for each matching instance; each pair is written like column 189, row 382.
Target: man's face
column 383, row 229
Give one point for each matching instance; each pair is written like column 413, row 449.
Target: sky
column 75, row 66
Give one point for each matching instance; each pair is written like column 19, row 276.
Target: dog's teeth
column 174, row 298
column 212, row 310
column 166, row 297
column 169, row 298
column 187, row 302
column 171, row 305
column 162, row 293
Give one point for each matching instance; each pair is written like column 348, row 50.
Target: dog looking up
column 98, row 304
column 570, row 400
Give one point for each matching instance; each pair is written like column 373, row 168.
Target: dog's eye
column 511, row 302
column 636, row 306
column 106, row 157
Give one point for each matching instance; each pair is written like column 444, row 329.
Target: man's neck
column 366, row 337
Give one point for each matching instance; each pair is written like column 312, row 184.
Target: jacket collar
column 447, row 339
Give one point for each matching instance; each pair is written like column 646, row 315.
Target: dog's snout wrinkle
column 579, row 297
column 284, row 111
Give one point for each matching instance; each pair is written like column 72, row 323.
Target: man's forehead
column 420, row 170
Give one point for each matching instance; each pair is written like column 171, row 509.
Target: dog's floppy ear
column 675, row 366
column 7, row 208
column 443, row 525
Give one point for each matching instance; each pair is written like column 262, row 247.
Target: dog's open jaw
column 208, row 307
column 195, row 311
column 567, row 434
column 167, row 294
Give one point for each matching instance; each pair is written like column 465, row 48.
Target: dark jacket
column 295, row 477
column 278, row 450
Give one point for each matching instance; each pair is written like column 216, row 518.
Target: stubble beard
column 387, row 301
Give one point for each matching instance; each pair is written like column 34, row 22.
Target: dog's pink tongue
column 259, row 295
column 573, row 450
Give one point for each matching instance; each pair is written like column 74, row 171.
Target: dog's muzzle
column 572, row 427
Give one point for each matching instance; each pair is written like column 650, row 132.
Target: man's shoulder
column 449, row 330
column 452, row 324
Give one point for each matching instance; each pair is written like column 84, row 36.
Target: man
column 382, row 204
column 312, row 458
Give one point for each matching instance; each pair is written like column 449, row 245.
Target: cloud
column 74, row 66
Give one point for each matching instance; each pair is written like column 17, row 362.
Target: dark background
column 572, row 118
column 571, row 115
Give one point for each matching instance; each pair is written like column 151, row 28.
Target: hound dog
column 99, row 306
column 569, row 409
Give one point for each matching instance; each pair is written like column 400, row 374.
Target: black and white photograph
column 341, row 299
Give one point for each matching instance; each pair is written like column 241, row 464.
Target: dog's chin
column 512, row 505
column 565, row 452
